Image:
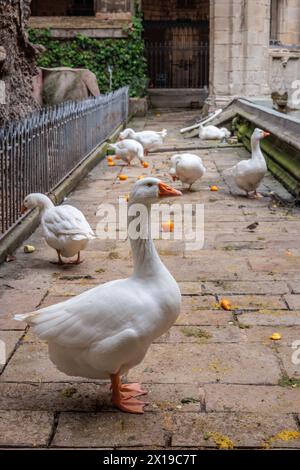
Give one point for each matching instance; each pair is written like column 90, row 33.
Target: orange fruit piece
column 123, row 177
column 117, row 157
column 226, row 304
column 276, row 336
column 110, row 159
column 145, row 165
column 168, row 226
column 111, row 164
column 214, row 188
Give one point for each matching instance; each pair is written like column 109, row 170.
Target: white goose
column 128, row 149
column 150, row 140
column 212, row 132
column 248, row 174
column 64, row 227
column 106, row 331
column 186, row 167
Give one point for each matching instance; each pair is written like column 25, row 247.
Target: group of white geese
column 105, row 331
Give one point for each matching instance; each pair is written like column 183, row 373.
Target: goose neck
column 256, row 150
column 145, row 257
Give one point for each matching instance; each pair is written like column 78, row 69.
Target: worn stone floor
column 216, row 379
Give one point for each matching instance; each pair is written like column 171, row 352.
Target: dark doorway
column 177, row 43
column 62, row 8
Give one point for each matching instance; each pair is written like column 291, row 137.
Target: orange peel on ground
column 275, row 337
column 226, row 304
column 123, row 177
column 168, row 226
column 145, row 165
column 111, row 164
column 214, row 188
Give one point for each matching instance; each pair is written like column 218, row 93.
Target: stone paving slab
column 25, row 428
column 233, row 429
column 240, row 287
column 215, row 378
column 111, row 429
column 285, row 353
column 94, row 397
column 230, row 363
column 269, row 400
column 10, row 339
column 271, row 317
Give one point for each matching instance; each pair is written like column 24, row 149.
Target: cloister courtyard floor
column 216, row 379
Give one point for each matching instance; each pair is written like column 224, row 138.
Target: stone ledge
column 69, row 27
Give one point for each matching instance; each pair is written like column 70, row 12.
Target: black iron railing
column 171, row 66
column 39, row 152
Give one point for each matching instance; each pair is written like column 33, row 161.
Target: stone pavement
column 215, row 379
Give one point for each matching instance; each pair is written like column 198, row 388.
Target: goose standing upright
column 104, row 332
column 64, row 227
column 248, row 174
column 150, row 140
column 128, row 149
column 186, row 167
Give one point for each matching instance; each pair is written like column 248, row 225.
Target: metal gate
column 176, row 55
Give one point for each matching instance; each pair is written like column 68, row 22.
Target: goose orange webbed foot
column 130, row 405
column 132, row 390
column 122, row 396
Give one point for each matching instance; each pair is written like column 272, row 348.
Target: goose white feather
column 128, row 149
column 107, row 330
column 187, row 167
column 248, row 174
column 64, row 227
column 213, row 133
column 150, row 140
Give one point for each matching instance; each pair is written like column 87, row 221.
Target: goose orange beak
column 266, row 134
column 167, row 191
column 23, row 209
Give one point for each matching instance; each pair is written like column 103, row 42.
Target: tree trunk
column 17, row 61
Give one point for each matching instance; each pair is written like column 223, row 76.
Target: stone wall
column 113, row 6
column 289, row 22
column 114, row 9
column 239, row 49
column 284, row 74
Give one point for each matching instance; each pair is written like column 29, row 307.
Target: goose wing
column 91, row 317
column 67, row 220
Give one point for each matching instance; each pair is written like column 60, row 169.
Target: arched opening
column 177, row 43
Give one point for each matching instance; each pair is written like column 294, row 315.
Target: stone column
column 239, row 44
column 289, row 22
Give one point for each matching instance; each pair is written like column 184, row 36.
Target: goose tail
column 27, row 317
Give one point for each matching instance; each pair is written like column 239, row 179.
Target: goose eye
column 149, row 185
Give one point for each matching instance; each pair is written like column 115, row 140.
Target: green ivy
column 126, row 56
